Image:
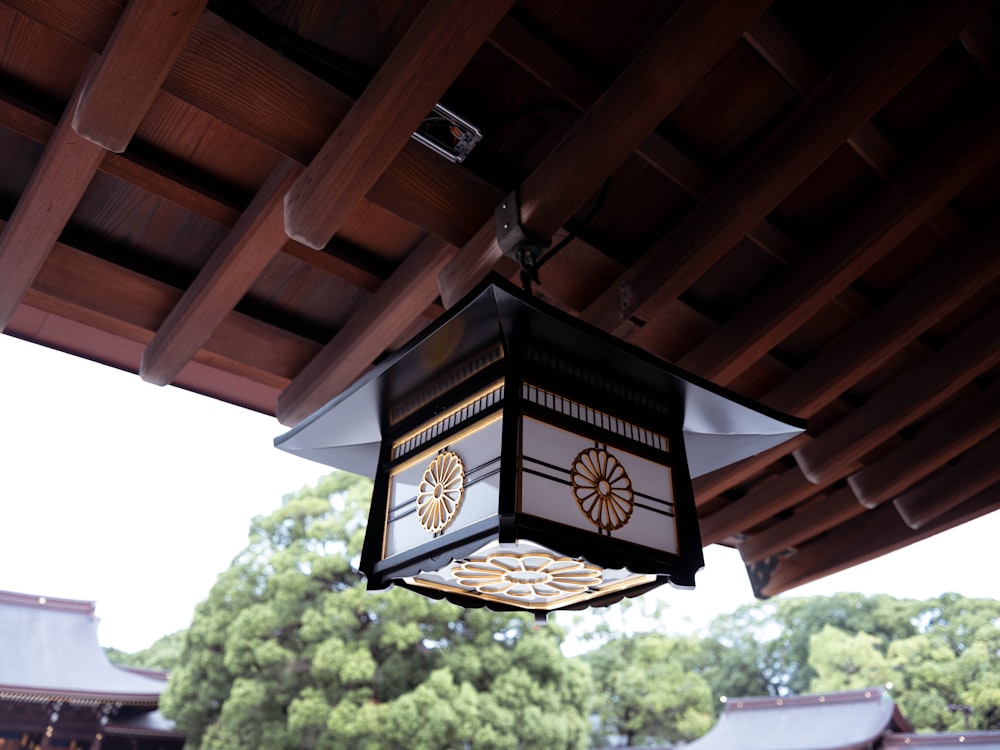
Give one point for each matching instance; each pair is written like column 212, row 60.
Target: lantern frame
column 502, row 360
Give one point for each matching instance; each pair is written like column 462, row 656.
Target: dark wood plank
column 710, row 485
column 975, row 471
column 923, row 389
column 66, row 168
column 419, row 70
column 822, row 514
column 231, row 270
column 692, row 41
column 932, row 295
column 761, row 503
column 368, row 333
column 790, row 153
column 882, row 223
column 873, row 534
column 109, row 298
column 939, row 441
column 140, row 53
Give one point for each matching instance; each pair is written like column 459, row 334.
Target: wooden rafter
column 933, row 294
column 938, row 442
column 823, row 513
column 250, row 245
column 140, row 53
column 929, row 385
column 710, row 485
column 975, row 471
column 692, row 41
column 790, row 153
column 420, row 69
column 864, row 538
column 884, row 221
column 371, row 329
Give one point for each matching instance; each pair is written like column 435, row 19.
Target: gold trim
column 440, row 492
column 633, row 582
column 602, row 488
column 443, row 417
column 529, row 574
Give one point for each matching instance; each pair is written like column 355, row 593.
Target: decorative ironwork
column 602, row 488
column 440, row 492
column 533, row 574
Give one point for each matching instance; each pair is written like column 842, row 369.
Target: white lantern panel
column 445, row 488
column 573, row 480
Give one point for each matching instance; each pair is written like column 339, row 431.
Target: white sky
column 137, row 497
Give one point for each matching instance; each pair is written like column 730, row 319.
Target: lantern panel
column 430, row 497
column 590, row 485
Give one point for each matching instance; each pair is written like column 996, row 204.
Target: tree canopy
column 290, row 650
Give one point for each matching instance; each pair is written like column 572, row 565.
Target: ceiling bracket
column 516, row 242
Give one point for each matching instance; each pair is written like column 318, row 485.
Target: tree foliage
column 164, row 653
column 290, row 651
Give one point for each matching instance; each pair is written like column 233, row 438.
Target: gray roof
column 981, row 740
column 837, row 721
column 49, row 647
column 151, row 723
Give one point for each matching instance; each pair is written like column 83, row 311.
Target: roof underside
column 797, row 201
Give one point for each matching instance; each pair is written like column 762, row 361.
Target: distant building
column 852, row 720
column 58, row 690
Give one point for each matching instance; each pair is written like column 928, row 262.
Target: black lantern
column 524, row 460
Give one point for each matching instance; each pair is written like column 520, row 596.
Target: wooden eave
column 796, row 201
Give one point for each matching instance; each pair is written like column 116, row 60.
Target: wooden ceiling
column 795, row 200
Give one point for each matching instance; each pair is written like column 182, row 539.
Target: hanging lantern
column 524, row 460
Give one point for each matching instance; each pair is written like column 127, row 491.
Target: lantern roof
column 720, row 427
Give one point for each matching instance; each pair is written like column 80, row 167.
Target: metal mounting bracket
column 514, row 241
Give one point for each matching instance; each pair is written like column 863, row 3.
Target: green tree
column 290, row 651
column 648, row 689
column 164, row 653
column 843, row 661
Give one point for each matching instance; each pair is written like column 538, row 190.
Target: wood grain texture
column 420, row 69
column 371, row 329
column 662, row 73
column 790, row 153
column 975, row 471
column 67, row 166
column 940, row 440
column 231, row 270
column 140, row 53
column 881, row 224
column 969, row 354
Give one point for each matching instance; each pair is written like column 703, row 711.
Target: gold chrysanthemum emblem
column 533, row 574
column 440, row 492
column 602, row 488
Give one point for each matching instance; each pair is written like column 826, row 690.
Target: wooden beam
column 107, row 297
column 790, row 153
column 918, row 392
column 813, row 518
column 140, row 53
column 883, row 222
column 873, row 534
column 792, row 62
column 62, row 175
column 254, row 89
column 781, row 493
column 692, row 41
column 975, row 471
column 223, row 281
column 366, row 335
column 709, row 486
column 432, row 53
column 939, row 441
column 936, row 292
